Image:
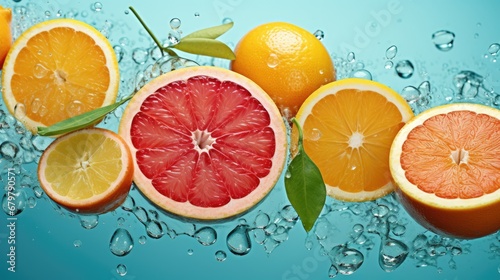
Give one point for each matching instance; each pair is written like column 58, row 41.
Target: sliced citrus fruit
column 88, row 171
column 5, row 33
column 58, row 69
column 348, row 129
column 207, row 142
column 446, row 165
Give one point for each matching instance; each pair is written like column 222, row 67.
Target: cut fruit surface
column 88, row 171
column 348, row 129
column 208, row 143
column 58, row 69
column 446, row 164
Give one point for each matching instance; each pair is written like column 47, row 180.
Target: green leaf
column 80, row 121
column 304, row 185
column 205, row 46
column 211, row 32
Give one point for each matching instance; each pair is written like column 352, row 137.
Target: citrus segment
column 287, row 61
column 208, row 143
column 5, row 33
column 88, row 171
column 348, row 129
column 58, row 69
column 446, row 164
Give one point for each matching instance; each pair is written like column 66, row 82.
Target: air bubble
column 351, row 57
column 494, row 49
column 175, row 23
column 319, row 34
column 391, row 52
column 410, row 94
column 9, row 150
column 362, row 74
column 206, row 236
column 238, row 240
column 443, row 40
column 96, row 7
column 140, row 56
column 77, row 243
column 89, row 221
column 121, row 269
column 220, row 256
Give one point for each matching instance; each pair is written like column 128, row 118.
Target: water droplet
column 333, row 271
column 351, row 57
column 142, row 239
column 96, row 7
column 206, row 236
column 128, row 204
column 389, row 64
column 77, row 243
column 494, row 49
column 238, row 240
column 14, row 202
column 410, row 94
column 9, row 150
column 468, row 84
column 347, row 260
column 392, row 254
column 289, row 214
column 31, row 202
column 89, row 221
column 314, row 134
column 362, row 74
column 273, row 60
column 121, row 242
column 140, row 56
column 154, row 229
column 74, row 108
column 220, row 256
column 190, row 252
column 443, row 40
column 227, row 20
column 404, row 69
column 20, row 111
column 121, row 269
column 196, row 14
column 262, row 220
column 141, row 214
column 175, row 23
column 391, row 52
column 319, row 34
column 40, row 71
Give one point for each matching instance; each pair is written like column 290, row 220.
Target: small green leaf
column 304, row 185
column 80, row 121
column 211, row 32
column 204, row 46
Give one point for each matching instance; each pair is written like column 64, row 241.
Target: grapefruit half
column 446, row 165
column 207, row 142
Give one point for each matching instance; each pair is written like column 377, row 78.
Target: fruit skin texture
column 5, row 33
column 288, row 62
column 457, row 218
column 104, row 202
column 185, row 209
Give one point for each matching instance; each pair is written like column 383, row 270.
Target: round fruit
column 348, row 129
column 58, row 69
column 208, row 143
column 288, row 62
column 5, row 33
column 446, row 164
column 88, row 171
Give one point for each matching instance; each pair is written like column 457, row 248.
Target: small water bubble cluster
column 350, row 67
column 427, row 249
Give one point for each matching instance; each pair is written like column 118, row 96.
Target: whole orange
column 287, row 61
column 5, row 33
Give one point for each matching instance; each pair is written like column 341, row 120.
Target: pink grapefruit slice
column 207, row 142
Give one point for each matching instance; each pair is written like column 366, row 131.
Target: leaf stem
column 301, row 134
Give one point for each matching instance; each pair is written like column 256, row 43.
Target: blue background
column 45, row 236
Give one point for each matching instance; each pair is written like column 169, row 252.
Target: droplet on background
column 96, row 7
column 273, row 60
column 494, row 49
column 468, row 84
column 121, row 242
column 175, row 23
column 121, row 269
column 238, row 240
column 77, row 243
column 220, row 256
column 392, row 254
column 443, row 40
column 319, row 34
column 362, row 74
column 410, row 94
column 404, row 69
column 391, row 52
column 89, row 221
column 206, row 236
column 9, row 150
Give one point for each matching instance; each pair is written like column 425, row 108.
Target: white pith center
column 202, row 140
column 460, row 156
column 356, row 140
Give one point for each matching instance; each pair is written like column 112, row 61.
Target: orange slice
column 348, row 129
column 88, row 171
column 5, row 33
column 58, row 69
column 446, row 164
column 207, row 142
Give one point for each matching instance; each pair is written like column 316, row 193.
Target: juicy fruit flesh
column 84, row 166
column 203, row 141
column 356, row 128
column 56, row 78
column 454, row 155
